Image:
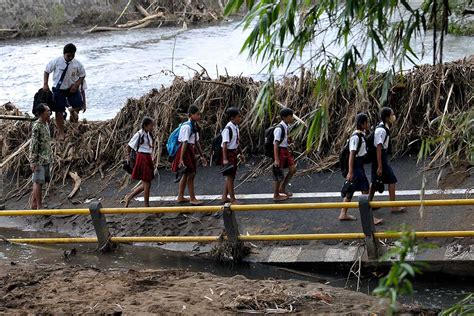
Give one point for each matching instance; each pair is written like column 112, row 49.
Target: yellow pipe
column 162, row 209
column 242, row 208
column 292, row 206
column 165, row 239
column 428, row 234
column 59, row 240
column 45, row 212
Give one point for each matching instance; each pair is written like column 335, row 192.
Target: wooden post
column 232, row 232
column 368, row 227
column 101, row 229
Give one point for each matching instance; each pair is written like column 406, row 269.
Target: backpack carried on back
column 172, row 144
column 345, row 153
column 371, row 149
column 269, row 139
column 216, row 146
column 42, row 97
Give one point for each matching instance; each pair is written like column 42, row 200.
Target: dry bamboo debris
column 88, row 153
column 155, row 14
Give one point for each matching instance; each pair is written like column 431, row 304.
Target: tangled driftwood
column 98, row 147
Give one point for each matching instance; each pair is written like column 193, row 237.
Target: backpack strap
column 359, row 143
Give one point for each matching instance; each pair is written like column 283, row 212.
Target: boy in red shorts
column 230, row 153
column 282, row 157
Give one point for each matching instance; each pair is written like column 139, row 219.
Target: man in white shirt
column 68, row 76
column 230, row 153
column 282, row 157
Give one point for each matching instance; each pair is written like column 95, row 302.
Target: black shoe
column 180, row 173
column 379, row 186
column 347, row 190
column 278, row 175
column 226, row 168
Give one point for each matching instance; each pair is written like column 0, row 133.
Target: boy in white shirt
column 186, row 155
column 282, row 157
column 68, row 77
column 230, row 153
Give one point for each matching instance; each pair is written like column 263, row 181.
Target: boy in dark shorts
column 231, row 153
column 356, row 173
column 282, row 157
column 68, row 76
column 382, row 172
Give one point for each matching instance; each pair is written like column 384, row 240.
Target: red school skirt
column 143, row 169
column 189, row 159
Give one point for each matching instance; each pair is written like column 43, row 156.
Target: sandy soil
column 76, row 289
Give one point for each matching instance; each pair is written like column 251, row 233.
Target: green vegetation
column 462, row 308
column 399, row 279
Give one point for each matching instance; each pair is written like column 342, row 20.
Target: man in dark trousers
column 68, row 77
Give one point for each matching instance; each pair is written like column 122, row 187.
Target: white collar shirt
column 142, row 141
column 354, row 142
column 381, row 137
column 277, row 133
column 74, row 72
column 186, row 134
column 233, row 143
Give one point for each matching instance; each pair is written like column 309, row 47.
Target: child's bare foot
column 287, row 193
column 126, row 200
column 347, row 218
column 399, row 210
column 378, row 221
column 195, row 202
column 225, row 200
column 280, row 198
column 235, row 201
column 182, row 200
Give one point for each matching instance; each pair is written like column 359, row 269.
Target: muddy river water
column 128, row 64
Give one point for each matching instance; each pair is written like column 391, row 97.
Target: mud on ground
column 78, row 290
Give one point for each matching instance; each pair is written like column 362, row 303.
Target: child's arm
column 224, row 154
column 276, row 153
column 183, row 150
column 379, row 160
column 350, row 173
column 33, row 155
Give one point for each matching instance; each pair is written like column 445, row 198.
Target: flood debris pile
column 93, row 148
column 142, row 14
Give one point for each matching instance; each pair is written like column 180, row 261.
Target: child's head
column 194, row 113
column 387, row 115
column 286, row 115
column 233, row 114
column 69, row 52
column 362, row 121
column 43, row 112
column 147, row 124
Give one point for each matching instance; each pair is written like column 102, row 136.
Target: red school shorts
column 286, row 158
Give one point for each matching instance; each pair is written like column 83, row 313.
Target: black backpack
column 344, row 155
column 371, row 149
column 216, row 146
column 270, row 137
column 42, row 97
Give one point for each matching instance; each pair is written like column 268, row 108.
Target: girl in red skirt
column 142, row 142
column 184, row 162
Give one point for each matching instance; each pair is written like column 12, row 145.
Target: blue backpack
column 173, row 143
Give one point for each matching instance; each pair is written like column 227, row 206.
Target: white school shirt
column 379, row 137
column 185, row 134
column 146, row 147
column 74, row 72
column 277, row 135
column 354, row 141
column 233, row 143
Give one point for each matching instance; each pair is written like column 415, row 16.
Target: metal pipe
column 241, row 208
column 339, row 236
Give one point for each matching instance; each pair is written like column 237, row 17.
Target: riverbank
column 80, row 289
column 52, row 18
